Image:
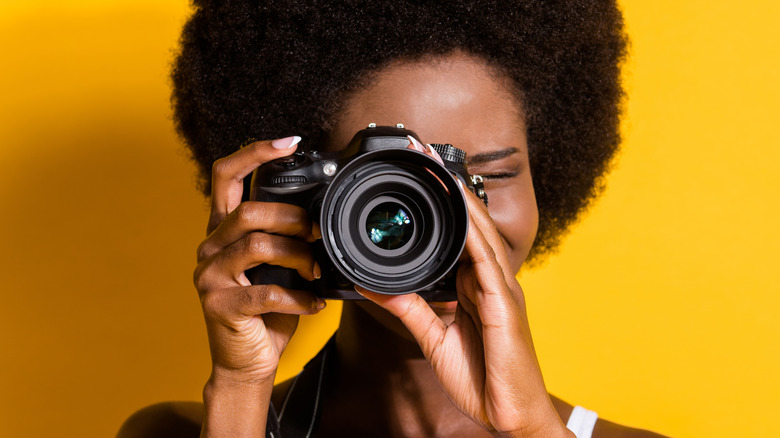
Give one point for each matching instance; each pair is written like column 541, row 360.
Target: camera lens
column 389, row 226
column 394, row 221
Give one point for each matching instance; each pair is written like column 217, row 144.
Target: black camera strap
column 300, row 412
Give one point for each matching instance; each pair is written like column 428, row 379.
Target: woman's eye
column 497, row 176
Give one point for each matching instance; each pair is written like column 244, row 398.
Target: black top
column 299, row 414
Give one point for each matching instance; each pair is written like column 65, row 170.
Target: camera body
column 393, row 220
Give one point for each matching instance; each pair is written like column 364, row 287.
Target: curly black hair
column 249, row 69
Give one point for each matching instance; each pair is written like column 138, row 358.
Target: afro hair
column 264, row 70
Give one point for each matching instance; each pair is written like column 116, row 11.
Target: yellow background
column 660, row 311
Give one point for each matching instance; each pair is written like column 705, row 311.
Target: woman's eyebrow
column 491, row 156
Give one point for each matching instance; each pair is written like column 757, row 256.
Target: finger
column 479, row 217
column 470, row 327
column 228, row 173
column 416, row 145
column 465, row 304
column 421, row 321
column 269, row 217
column 426, row 149
column 467, row 316
column 434, row 154
column 227, row 266
column 490, row 289
column 487, row 299
column 233, row 303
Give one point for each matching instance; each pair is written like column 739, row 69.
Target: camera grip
column 271, row 274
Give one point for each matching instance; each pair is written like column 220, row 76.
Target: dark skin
column 466, row 368
column 458, row 102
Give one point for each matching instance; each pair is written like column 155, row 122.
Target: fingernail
column 317, row 272
column 359, row 290
column 434, row 153
column 416, row 143
column 286, row 143
column 316, row 232
column 320, row 304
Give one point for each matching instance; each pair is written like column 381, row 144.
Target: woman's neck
column 381, row 382
column 368, row 334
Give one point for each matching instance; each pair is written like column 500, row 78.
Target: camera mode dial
column 449, row 152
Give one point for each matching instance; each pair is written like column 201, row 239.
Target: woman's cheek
column 516, row 216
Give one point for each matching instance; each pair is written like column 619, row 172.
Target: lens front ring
column 425, row 190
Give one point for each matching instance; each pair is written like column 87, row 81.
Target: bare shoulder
column 603, row 428
column 168, row 419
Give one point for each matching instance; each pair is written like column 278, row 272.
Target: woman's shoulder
column 603, row 428
column 183, row 419
column 167, row 419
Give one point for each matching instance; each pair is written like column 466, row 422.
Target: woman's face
column 458, row 99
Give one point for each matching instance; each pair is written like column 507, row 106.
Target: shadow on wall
column 100, row 224
column 99, row 228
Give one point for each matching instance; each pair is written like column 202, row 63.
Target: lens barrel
column 394, row 221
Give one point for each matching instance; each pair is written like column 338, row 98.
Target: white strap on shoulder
column 581, row 422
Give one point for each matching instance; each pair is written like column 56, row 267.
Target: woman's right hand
column 248, row 325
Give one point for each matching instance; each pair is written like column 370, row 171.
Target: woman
column 529, row 90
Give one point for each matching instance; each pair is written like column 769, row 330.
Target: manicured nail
column 320, row 304
column 359, row 290
column 416, row 143
column 286, row 143
column 317, row 272
column 434, row 153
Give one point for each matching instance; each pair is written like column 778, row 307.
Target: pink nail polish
column 434, row 153
column 285, row 143
column 416, row 143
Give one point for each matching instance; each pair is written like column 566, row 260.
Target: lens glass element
column 389, row 226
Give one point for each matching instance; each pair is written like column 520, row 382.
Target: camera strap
column 300, row 412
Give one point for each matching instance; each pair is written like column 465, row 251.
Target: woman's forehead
column 452, row 100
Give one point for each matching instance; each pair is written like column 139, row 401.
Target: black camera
column 393, row 220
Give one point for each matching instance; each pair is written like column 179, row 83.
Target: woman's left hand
column 485, row 358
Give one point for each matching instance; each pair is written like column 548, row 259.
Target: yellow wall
column 660, row 311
